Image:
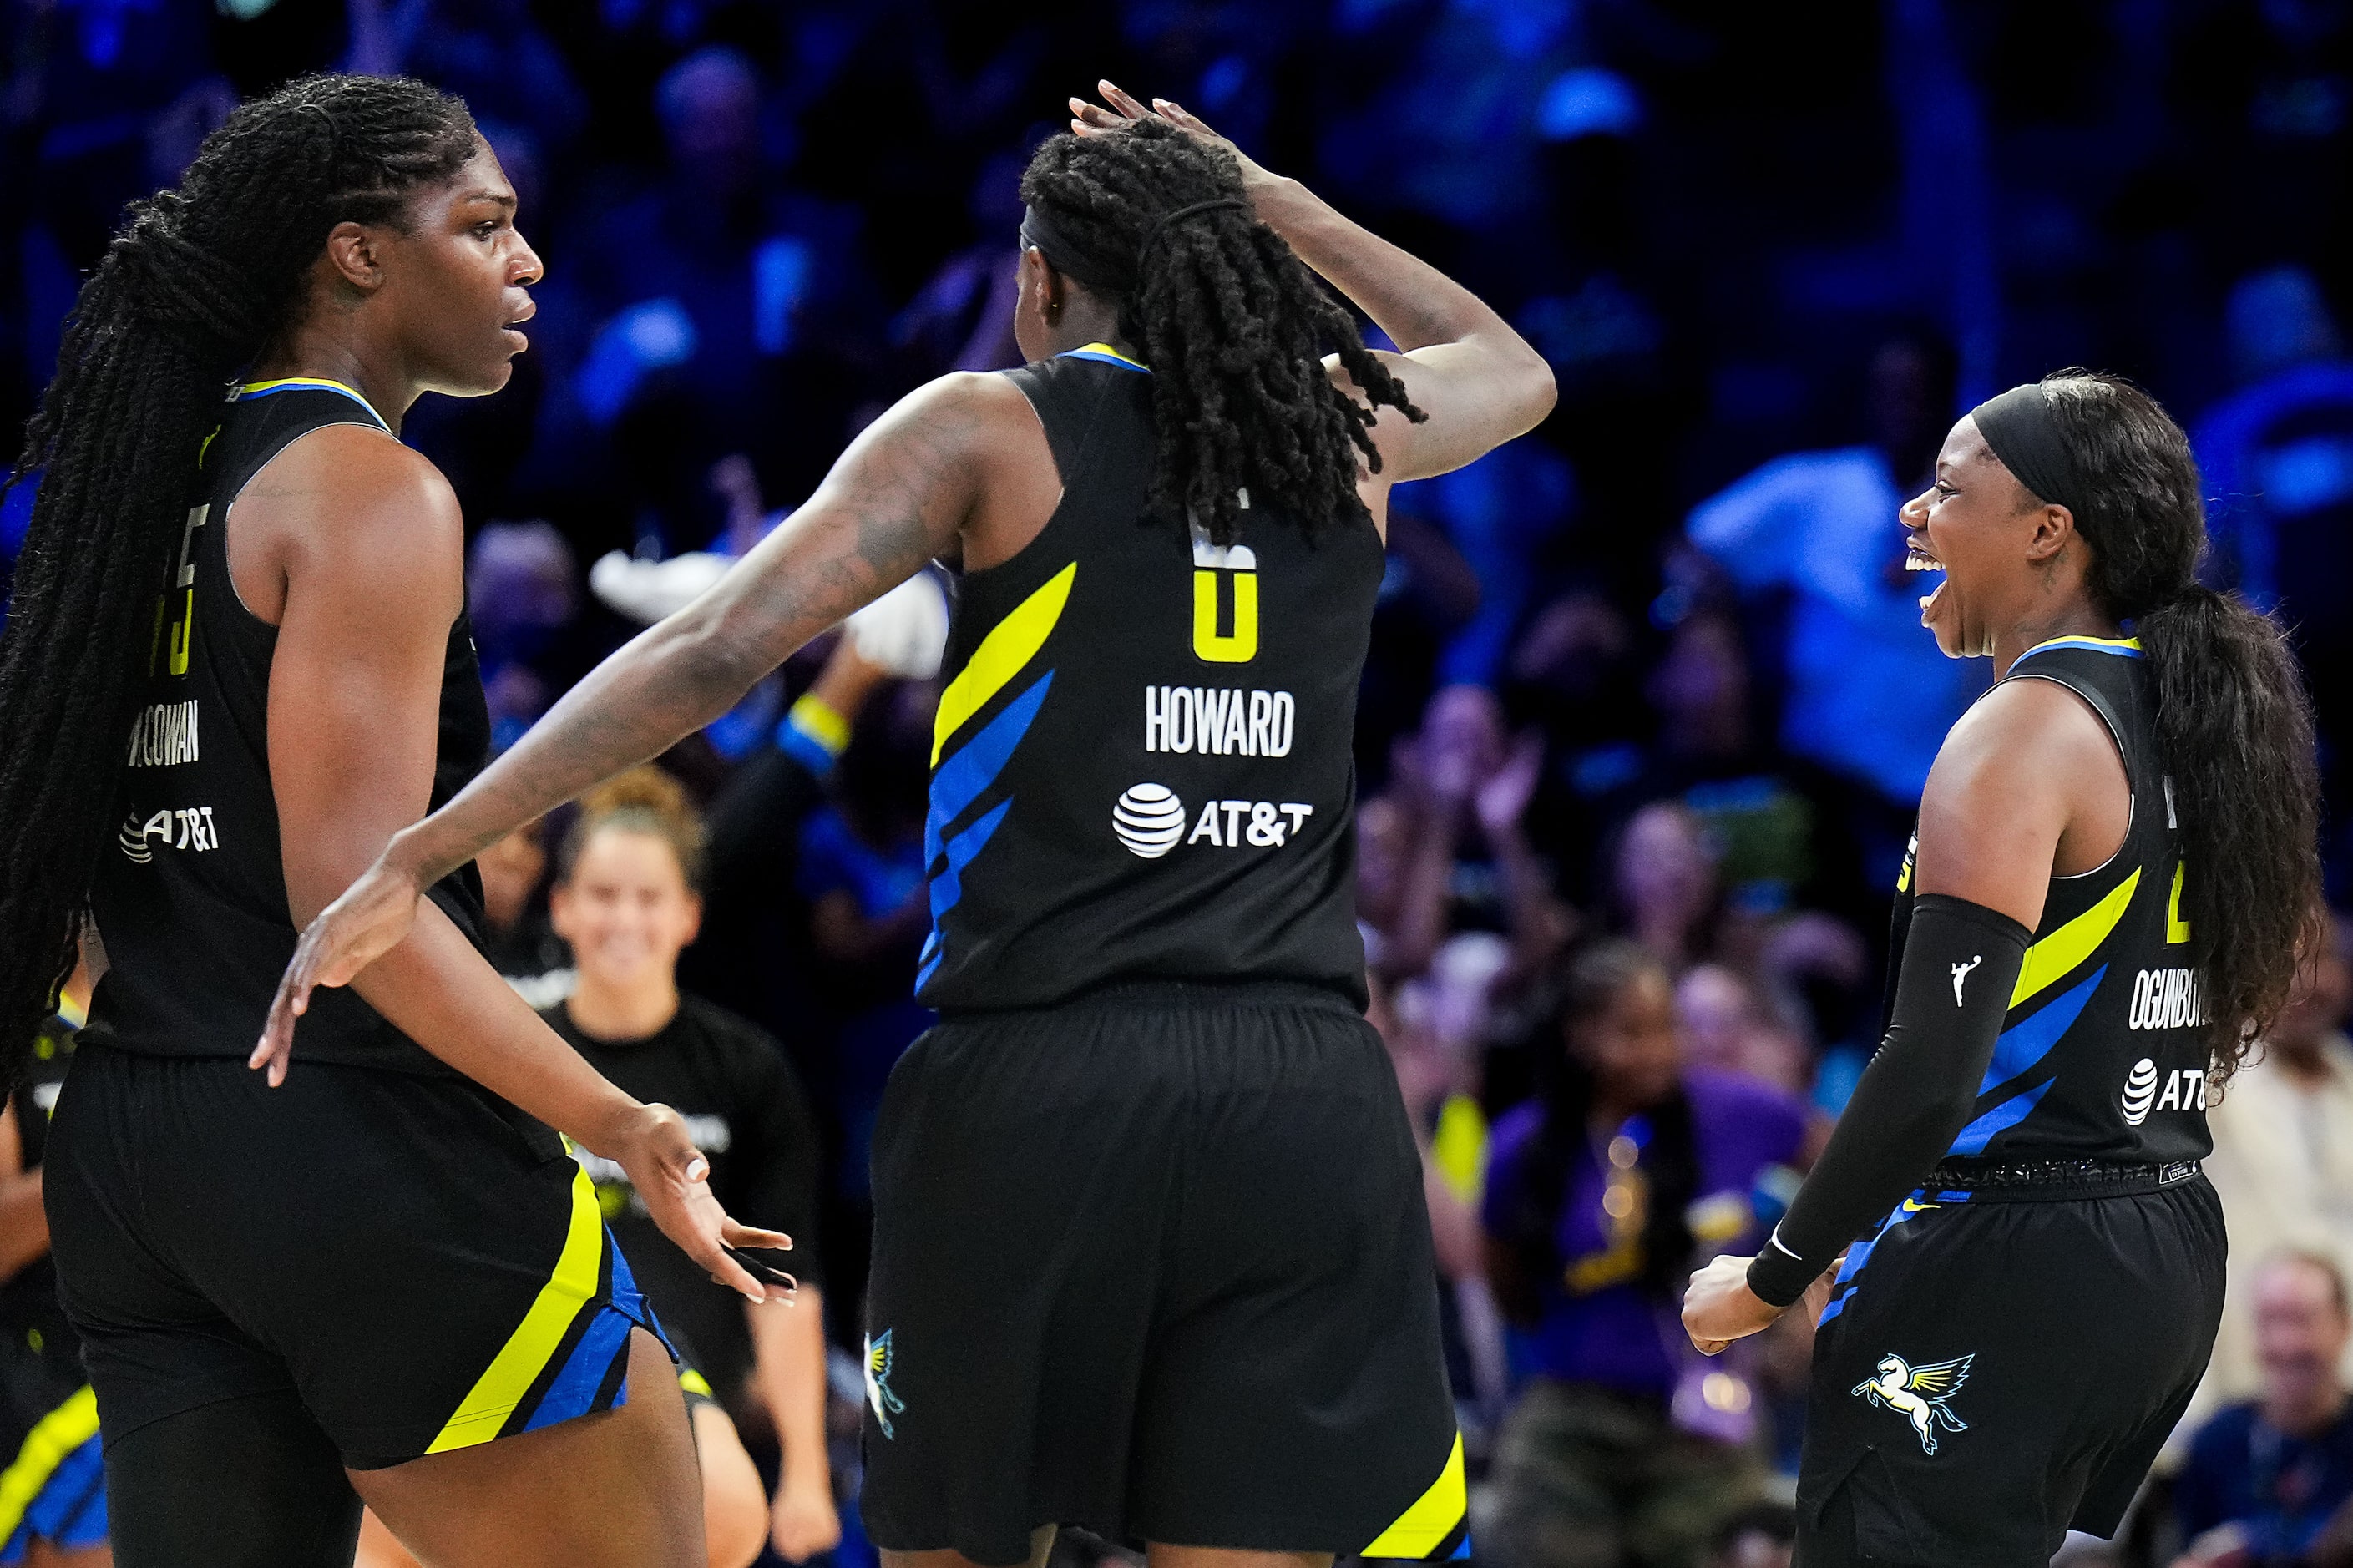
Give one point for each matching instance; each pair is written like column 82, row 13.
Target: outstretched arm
column 1463, row 365
column 354, row 698
column 894, row 500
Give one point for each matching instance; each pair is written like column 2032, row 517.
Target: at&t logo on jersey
column 1148, row 820
column 188, row 829
column 2184, row 1090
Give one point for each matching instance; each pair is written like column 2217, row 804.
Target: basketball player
column 239, row 633
column 2103, row 907
column 1150, row 1250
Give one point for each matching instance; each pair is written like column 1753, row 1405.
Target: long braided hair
column 1233, row 325
column 2233, row 724
column 199, row 281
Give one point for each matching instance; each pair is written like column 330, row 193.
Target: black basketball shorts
column 1995, row 1368
column 1157, row 1264
column 420, row 1264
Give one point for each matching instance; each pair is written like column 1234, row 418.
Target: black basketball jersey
column 1143, row 767
column 2103, row 1055
column 190, row 898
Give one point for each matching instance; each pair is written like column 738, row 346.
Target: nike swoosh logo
column 1911, row 1205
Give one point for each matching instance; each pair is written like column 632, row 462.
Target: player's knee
column 734, row 1507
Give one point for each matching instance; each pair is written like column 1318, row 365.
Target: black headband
column 2018, row 426
column 1039, row 232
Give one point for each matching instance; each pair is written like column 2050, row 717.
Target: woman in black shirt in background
column 627, row 899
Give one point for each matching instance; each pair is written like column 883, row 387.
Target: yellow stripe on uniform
column 694, row 1382
column 53, row 1436
column 520, row 1362
column 2055, row 956
column 1010, row 644
column 1432, row 1518
column 2097, row 642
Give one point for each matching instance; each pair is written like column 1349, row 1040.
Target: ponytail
column 197, row 283
column 1231, row 322
column 2234, row 728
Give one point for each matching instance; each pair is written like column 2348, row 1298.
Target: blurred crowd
column 1648, row 710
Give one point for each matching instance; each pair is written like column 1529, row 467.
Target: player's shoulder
column 373, row 489
column 2026, row 729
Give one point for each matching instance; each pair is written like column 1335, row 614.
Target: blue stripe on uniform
column 2000, row 1119
column 2023, row 1045
column 959, row 781
column 574, row 1392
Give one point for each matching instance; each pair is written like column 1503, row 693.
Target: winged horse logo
column 878, row 1382
column 1918, row 1394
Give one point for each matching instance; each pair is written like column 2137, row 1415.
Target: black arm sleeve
column 1960, row 963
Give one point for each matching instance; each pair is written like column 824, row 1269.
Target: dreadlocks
column 197, row 283
column 1234, row 327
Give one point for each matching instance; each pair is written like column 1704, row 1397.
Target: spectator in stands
column 2277, row 458
column 1500, row 513
column 1451, row 1136
column 720, row 298
column 491, row 53
column 1869, row 698
column 1624, row 1448
column 1727, row 1027
column 1460, row 858
column 2269, row 1481
column 861, row 872
column 2282, row 1159
column 522, row 592
column 1664, row 884
column 625, row 898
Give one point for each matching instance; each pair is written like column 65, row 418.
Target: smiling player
column 2113, row 872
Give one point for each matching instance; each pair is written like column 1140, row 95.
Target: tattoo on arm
column 895, row 500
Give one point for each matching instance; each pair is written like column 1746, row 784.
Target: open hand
column 1502, row 799
column 371, row 918
column 1124, row 111
column 674, row 1180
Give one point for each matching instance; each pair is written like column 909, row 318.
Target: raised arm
column 894, row 500
column 1463, row 365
